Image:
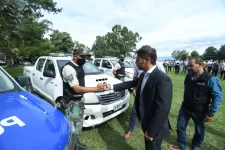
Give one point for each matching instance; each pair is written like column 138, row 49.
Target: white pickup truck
column 45, row 79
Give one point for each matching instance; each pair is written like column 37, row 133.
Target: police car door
column 49, row 75
column 37, row 75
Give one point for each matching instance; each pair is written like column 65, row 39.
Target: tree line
column 22, row 32
column 211, row 53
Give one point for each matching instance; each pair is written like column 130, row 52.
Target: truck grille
column 112, row 97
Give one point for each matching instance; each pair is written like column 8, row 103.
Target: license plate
column 117, row 107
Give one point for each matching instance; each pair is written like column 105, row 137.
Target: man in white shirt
column 74, row 85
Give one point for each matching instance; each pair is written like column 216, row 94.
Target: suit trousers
column 153, row 145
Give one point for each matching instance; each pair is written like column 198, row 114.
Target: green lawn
column 109, row 136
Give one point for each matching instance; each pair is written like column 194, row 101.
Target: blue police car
column 28, row 122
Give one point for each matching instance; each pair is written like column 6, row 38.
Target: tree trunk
column 9, row 61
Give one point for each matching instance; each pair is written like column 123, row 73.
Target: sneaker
column 127, row 135
column 174, row 147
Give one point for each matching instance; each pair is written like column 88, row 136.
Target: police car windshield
column 133, row 62
column 6, row 83
column 89, row 68
column 126, row 64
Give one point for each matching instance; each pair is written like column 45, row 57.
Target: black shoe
column 82, row 146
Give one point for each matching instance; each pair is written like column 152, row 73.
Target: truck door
column 37, row 75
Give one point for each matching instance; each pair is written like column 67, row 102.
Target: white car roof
column 57, row 58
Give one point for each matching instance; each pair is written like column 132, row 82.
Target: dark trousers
column 133, row 119
column 214, row 72
column 222, row 75
column 177, row 69
column 183, row 118
column 209, row 68
column 154, row 145
column 169, row 68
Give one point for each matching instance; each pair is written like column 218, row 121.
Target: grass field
column 109, row 136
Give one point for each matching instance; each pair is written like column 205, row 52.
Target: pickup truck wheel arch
column 30, row 88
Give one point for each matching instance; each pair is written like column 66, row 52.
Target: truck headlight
column 91, row 98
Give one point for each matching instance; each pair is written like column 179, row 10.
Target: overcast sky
column 164, row 24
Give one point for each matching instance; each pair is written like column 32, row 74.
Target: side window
column 106, row 64
column 97, row 62
column 40, row 64
column 49, row 65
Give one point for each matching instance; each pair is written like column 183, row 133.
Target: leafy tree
column 16, row 18
column 120, row 41
column 176, row 54
column 81, row 47
column 62, row 41
column 210, row 53
column 184, row 54
column 194, row 53
column 221, row 53
column 100, row 46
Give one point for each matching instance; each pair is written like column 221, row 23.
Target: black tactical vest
column 122, row 69
column 196, row 94
column 67, row 90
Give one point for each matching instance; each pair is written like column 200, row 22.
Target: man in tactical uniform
column 73, row 89
column 119, row 69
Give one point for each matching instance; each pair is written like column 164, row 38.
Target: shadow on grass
column 112, row 138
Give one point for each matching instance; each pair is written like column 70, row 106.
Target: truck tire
column 29, row 88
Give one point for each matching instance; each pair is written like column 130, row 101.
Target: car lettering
column 10, row 121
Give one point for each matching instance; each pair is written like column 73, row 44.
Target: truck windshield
column 89, row 68
column 6, row 83
column 126, row 64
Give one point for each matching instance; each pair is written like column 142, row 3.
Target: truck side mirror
column 22, row 80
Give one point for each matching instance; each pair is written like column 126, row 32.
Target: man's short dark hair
column 147, row 51
column 198, row 60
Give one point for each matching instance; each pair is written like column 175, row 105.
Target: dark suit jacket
column 157, row 98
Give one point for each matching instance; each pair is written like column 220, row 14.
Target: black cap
column 121, row 57
column 80, row 52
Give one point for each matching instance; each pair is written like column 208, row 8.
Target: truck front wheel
column 30, row 88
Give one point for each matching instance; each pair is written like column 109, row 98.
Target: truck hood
column 28, row 122
column 93, row 80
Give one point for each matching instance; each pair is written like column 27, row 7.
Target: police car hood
column 93, row 80
column 27, row 122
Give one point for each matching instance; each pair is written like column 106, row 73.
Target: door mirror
column 49, row 73
column 102, row 70
column 22, row 80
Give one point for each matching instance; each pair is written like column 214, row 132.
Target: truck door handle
column 41, row 78
column 33, row 74
column 52, row 82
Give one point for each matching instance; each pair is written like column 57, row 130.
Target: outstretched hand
column 100, row 87
column 107, row 86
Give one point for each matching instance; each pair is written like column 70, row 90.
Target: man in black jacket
column 153, row 98
column 202, row 98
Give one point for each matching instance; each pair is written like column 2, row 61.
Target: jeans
column 133, row 119
column 183, row 118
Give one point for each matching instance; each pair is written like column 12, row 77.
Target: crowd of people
column 214, row 67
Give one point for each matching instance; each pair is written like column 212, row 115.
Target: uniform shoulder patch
column 69, row 78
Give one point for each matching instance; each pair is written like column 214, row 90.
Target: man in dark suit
column 153, row 98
